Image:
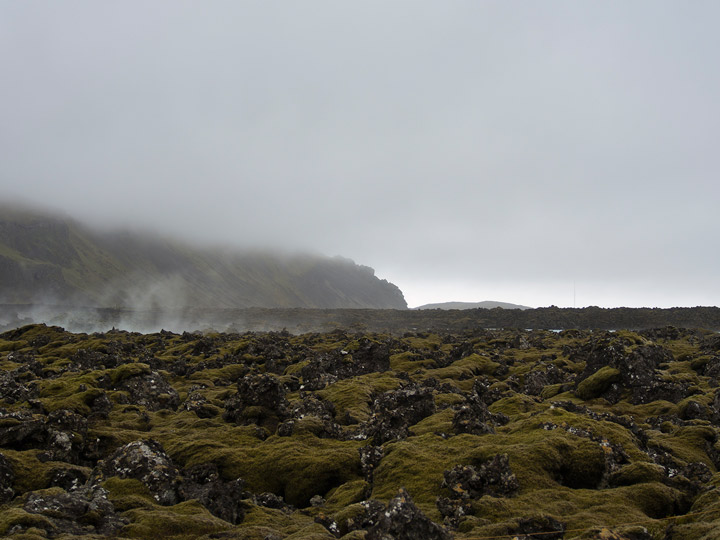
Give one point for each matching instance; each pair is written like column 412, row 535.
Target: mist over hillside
column 52, row 260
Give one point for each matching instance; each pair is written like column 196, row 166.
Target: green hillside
column 54, row 260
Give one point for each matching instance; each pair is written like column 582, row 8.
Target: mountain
column 48, row 259
column 487, row 304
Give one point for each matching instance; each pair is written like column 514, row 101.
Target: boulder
column 493, row 477
column 85, row 510
column 151, row 391
column 7, row 477
column 145, row 461
column 394, row 412
column 613, row 366
column 402, row 520
column 260, row 400
column 222, row 499
column 473, row 416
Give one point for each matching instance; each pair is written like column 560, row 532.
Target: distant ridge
column 47, row 259
column 487, row 304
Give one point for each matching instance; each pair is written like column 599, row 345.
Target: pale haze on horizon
column 560, row 152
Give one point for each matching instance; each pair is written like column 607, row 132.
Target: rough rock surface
column 402, row 520
column 636, row 370
column 311, row 407
column 539, row 527
column 85, row 510
column 12, row 390
column 222, row 499
column 493, row 477
column 151, row 391
column 466, row 483
column 327, row 368
column 473, row 416
column 260, row 400
column 395, row 411
column 7, row 477
column 146, row 461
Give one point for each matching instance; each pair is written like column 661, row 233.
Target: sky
column 542, row 153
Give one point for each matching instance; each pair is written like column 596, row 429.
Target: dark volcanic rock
column 326, row 368
column 22, row 430
column 494, row 477
column 540, row 527
column 260, row 400
column 85, row 360
column 13, row 391
column 147, row 462
column 271, row 500
column 473, row 416
column 61, row 435
column 395, row 411
column 465, row 483
column 198, row 404
column 539, row 378
column 7, row 477
column 370, row 457
column 222, row 499
column 369, row 516
column 312, row 407
column 635, row 369
column 151, row 391
column 69, row 478
column 402, row 520
column 85, row 510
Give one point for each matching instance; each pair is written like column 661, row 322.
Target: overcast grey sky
column 467, row 150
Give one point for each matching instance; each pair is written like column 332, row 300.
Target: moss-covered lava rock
column 463, row 434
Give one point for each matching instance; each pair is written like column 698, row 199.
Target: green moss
column 354, row 396
column 431, row 342
column 418, row 464
column 688, row 443
column 558, row 457
column 638, row 473
column 469, row 367
column 597, row 383
column 128, row 493
column 314, row 531
column 11, row 517
column 125, row 371
column 79, row 401
column 448, row 400
column 261, row 516
column 31, row 474
column 185, row 520
column 654, row 499
column 7, row 346
column 296, row 467
column 347, row 494
column 654, row 408
column 409, row 361
column 281, row 524
column 440, row 422
column 551, row 390
column 231, row 372
column 699, row 363
column 302, row 467
column 516, row 405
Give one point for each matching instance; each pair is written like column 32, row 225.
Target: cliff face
column 48, row 259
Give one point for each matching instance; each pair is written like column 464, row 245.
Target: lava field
column 469, row 435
